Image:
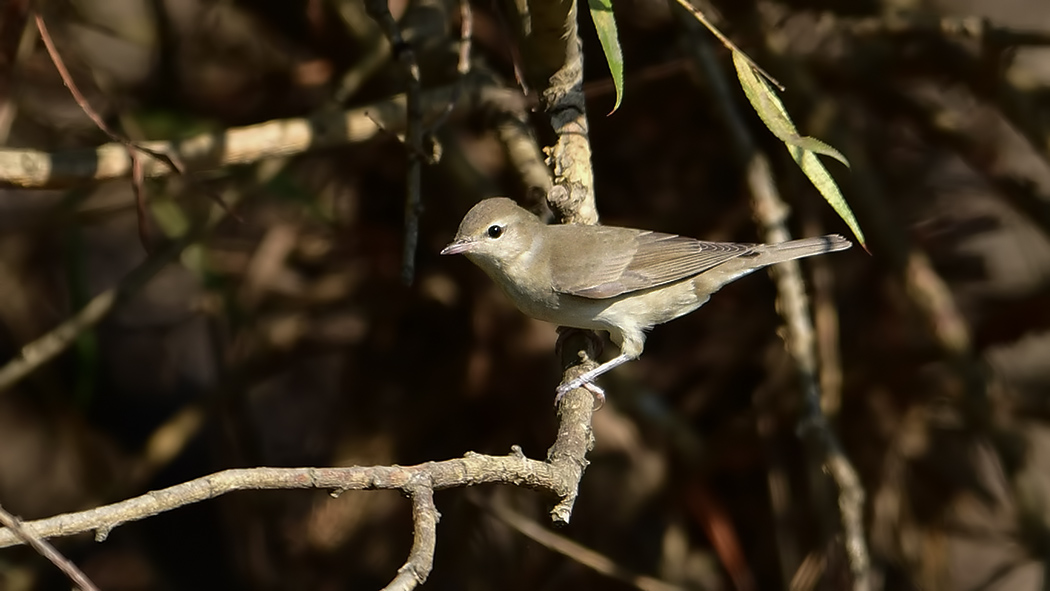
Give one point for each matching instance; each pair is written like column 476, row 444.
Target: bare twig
column 559, row 476
column 139, row 190
column 379, row 10
column 698, row 15
column 553, row 60
column 50, row 345
column 809, row 572
column 595, row 561
column 715, row 522
column 826, row 323
column 515, row 133
column 81, row 100
column 473, row 469
column 239, row 145
column 466, row 35
column 513, row 48
column 771, row 212
column 134, row 151
column 77, row 576
column 421, row 558
column 793, row 305
column 376, row 50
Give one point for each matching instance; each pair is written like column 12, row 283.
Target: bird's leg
column 586, row 379
column 597, row 344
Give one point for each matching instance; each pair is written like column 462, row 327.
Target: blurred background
column 286, row 338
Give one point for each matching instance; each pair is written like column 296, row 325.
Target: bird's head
column 495, row 233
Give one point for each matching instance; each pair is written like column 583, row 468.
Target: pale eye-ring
column 495, row 231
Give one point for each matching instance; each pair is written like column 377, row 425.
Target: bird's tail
column 768, row 254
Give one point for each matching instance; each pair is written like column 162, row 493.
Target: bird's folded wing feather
column 607, row 262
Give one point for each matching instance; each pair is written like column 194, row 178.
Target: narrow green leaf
column 821, row 179
column 605, row 23
column 803, row 149
column 772, row 112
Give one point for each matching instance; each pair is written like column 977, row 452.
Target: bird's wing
column 605, row 262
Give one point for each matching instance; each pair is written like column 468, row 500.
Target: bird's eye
column 495, row 231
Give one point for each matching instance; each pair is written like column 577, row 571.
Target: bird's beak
column 459, row 246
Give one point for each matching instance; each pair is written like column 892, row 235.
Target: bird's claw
column 571, row 385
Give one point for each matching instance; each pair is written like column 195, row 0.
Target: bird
column 620, row 280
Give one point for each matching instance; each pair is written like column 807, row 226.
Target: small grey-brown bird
column 620, row 280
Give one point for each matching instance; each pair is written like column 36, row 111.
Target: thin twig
column 826, row 323
column 511, row 122
column 466, row 35
column 512, row 47
column 809, row 572
column 560, row 475
column 375, row 55
column 555, row 542
column 134, row 151
column 137, row 187
column 379, row 10
column 714, row 520
column 50, row 345
column 45, row 549
column 82, row 102
column 728, row 44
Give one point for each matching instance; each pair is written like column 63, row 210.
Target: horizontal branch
column 43, row 548
column 36, row 169
column 573, row 550
column 469, row 470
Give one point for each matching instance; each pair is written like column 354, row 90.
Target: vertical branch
column 826, row 322
column 575, row 412
column 793, row 305
column 552, row 53
column 380, row 12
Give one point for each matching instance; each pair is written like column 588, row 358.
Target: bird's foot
column 581, row 382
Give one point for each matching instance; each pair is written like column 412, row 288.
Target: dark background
column 697, row 477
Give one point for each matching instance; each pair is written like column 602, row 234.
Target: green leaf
column 803, row 149
column 605, row 23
